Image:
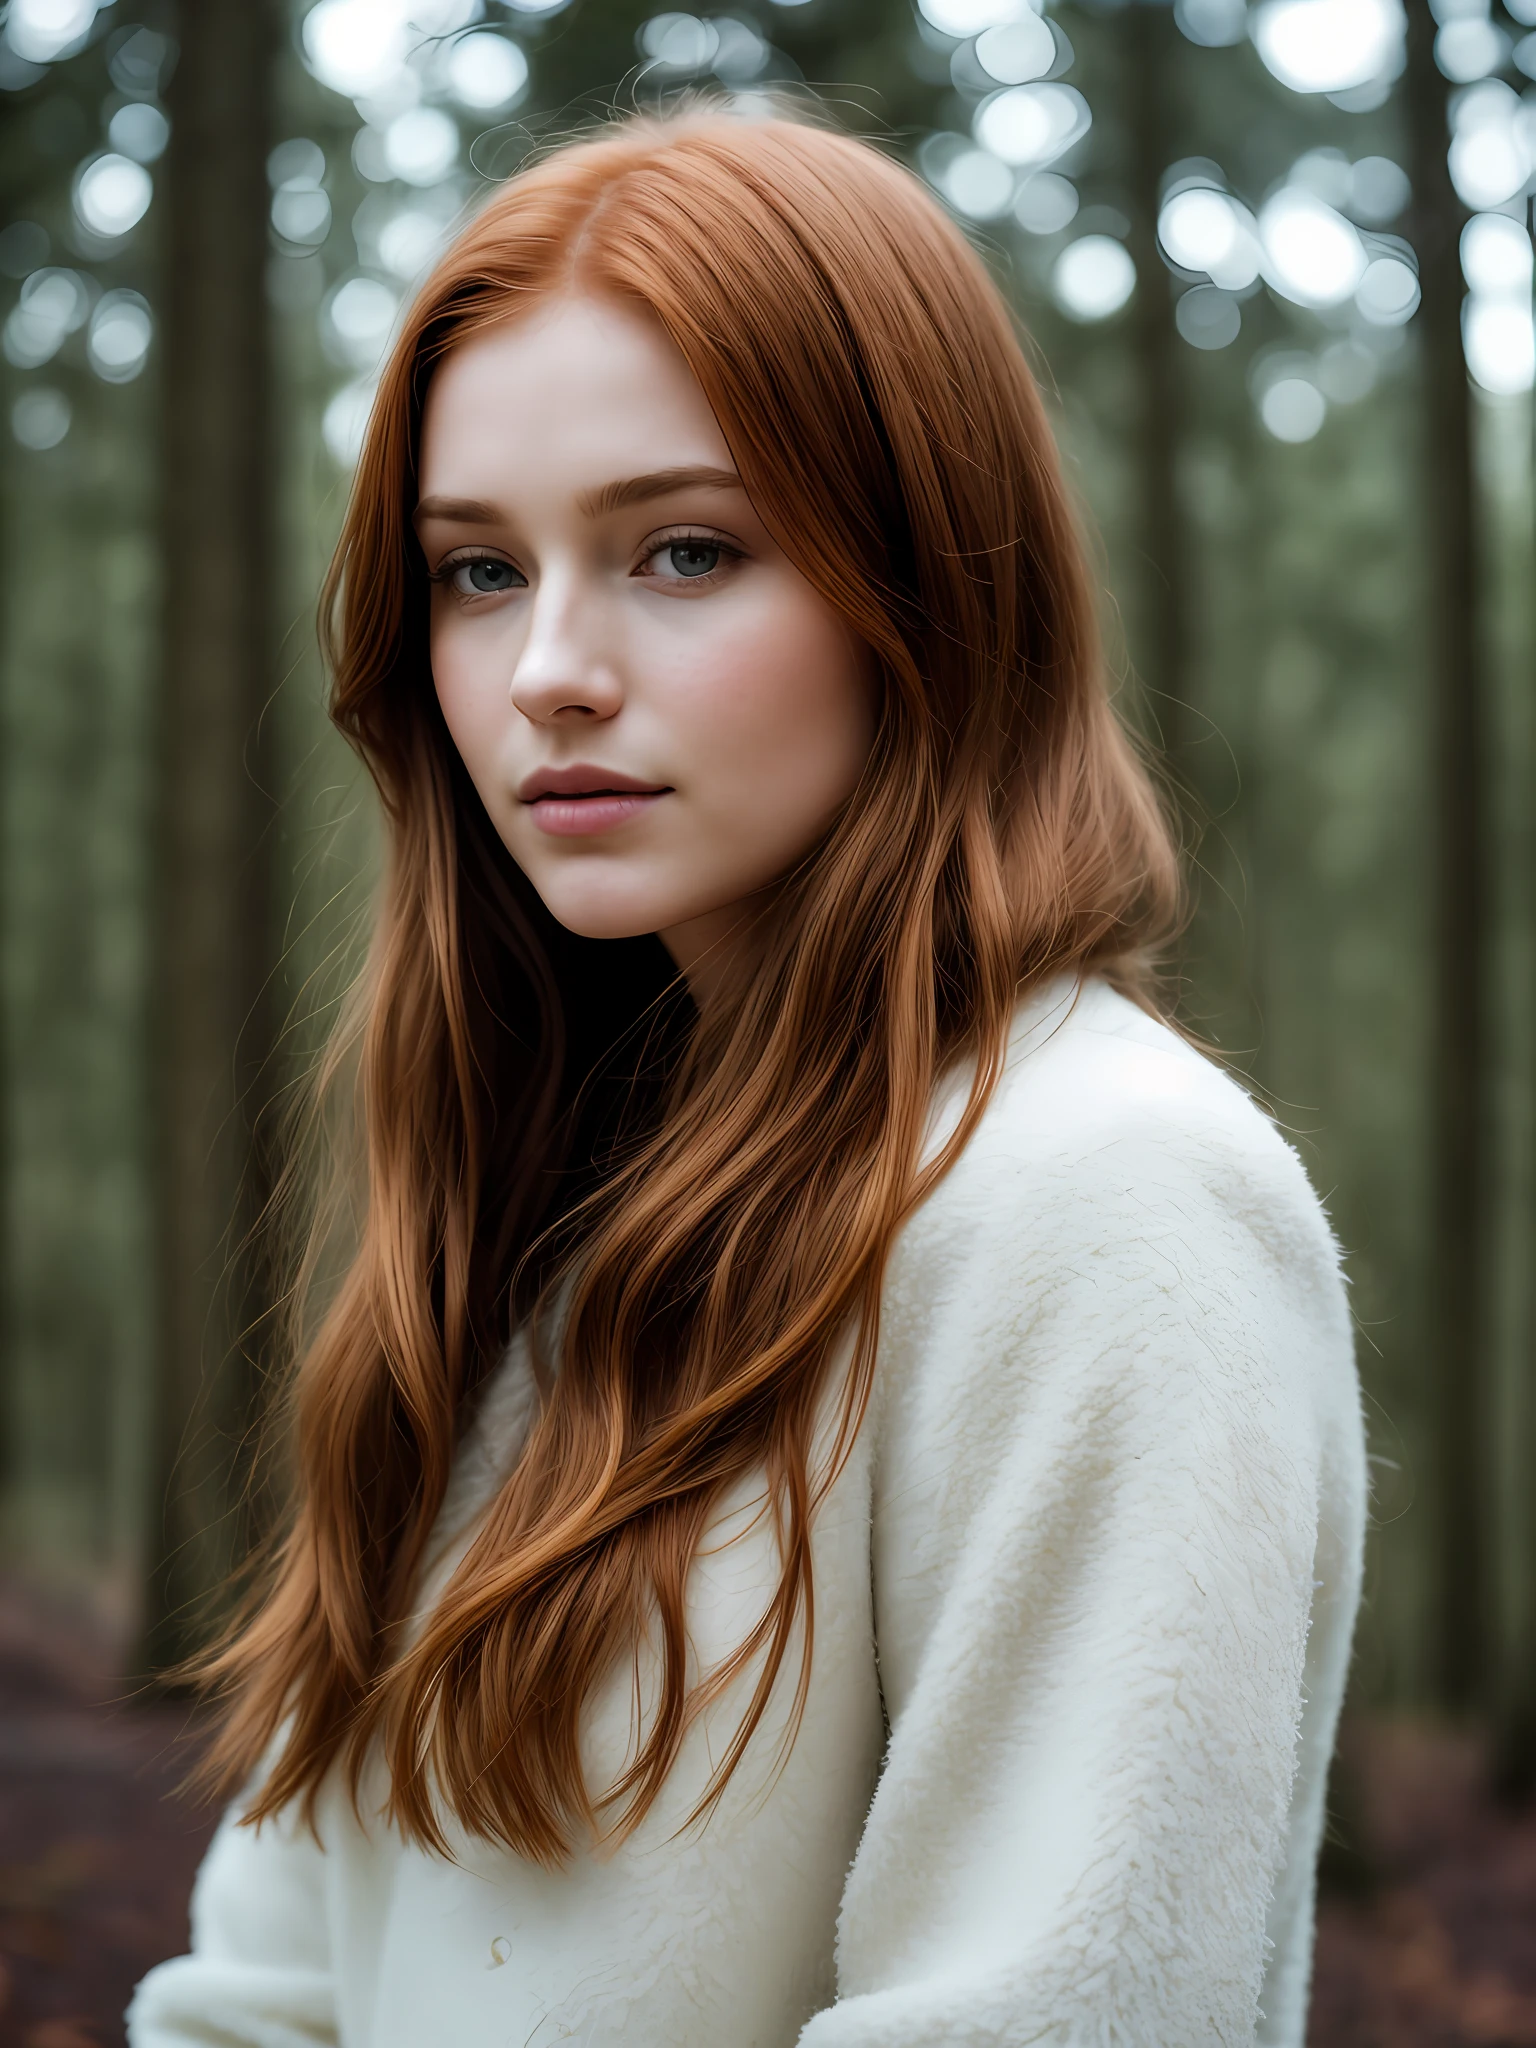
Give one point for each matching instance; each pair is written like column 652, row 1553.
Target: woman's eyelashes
column 479, row 575
column 683, row 559
column 686, row 556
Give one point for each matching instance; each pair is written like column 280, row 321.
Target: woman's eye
column 484, row 577
column 682, row 559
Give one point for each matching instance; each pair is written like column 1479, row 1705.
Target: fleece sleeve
column 1116, row 1527
column 259, row 1972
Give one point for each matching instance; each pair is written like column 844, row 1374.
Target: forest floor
column 1426, row 1937
column 96, row 1851
column 1426, row 1931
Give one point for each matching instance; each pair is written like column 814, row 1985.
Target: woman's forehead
column 585, row 387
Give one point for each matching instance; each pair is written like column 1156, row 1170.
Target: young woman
column 828, row 1502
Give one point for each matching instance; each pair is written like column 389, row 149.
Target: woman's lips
column 598, row 810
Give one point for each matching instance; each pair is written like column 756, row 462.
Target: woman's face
column 659, row 712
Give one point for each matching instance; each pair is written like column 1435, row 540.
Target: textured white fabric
column 1095, row 1560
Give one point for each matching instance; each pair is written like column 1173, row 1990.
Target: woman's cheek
column 796, row 716
column 467, row 701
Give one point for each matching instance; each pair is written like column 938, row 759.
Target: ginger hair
column 872, row 388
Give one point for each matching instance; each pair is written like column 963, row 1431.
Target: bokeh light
column 368, row 158
column 486, row 72
column 1204, row 231
column 1018, row 51
column 1093, row 277
column 1329, row 45
column 1379, row 190
column 421, row 146
column 1197, row 228
column 1470, row 47
column 1388, row 292
column 1213, row 24
column 41, row 30
column 344, row 48
column 301, row 209
column 1496, row 256
column 1045, row 203
column 678, row 42
column 962, row 18
column 53, row 304
column 1327, row 174
column 1496, row 260
column 345, row 423
column 741, row 53
column 1293, row 409
column 139, row 130
column 361, row 48
column 297, row 163
column 1312, row 255
column 112, row 194
column 139, row 61
column 408, row 241
column 1031, row 124
column 355, row 46
column 301, row 215
column 40, row 417
column 1208, row 318
column 1500, row 344
column 1490, row 158
column 356, row 320
column 977, row 184
column 121, row 330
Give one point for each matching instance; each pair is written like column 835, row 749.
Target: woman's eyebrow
column 457, row 511
column 612, row 497
column 634, row 490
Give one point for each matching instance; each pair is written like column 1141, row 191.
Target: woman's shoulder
column 1085, row 1063
column 1125, row 1244
column 1108, row 1128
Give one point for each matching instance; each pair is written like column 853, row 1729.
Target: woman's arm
column 259, row 1974
column 1119, row 1499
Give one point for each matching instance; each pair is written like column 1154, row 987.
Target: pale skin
column 660, row 713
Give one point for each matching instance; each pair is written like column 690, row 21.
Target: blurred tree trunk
column 1459, row 1325
column 1162, row 657
column 214, row 926
column 8, row 1076
column 1515, row 1731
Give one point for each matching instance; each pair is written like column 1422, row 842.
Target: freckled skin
column 669, row 640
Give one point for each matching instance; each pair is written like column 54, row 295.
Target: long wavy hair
column 721, row 1239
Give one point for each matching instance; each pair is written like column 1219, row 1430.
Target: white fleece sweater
column 1095, row 1560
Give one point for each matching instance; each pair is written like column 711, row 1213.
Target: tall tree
column 1515, row 1725
column 1162, row 653
column 214, row 922
column 1459, row 1218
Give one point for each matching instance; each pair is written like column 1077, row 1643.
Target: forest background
column 1276, row 265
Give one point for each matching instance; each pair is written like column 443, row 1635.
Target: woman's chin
column 607, row 918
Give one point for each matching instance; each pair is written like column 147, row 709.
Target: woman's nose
column 563, row 672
